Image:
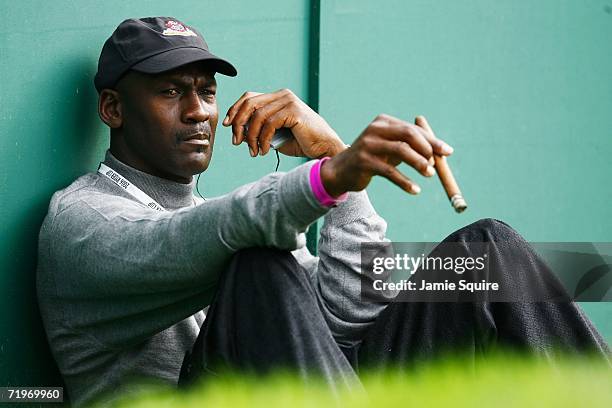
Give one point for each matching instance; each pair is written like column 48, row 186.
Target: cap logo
column 176, row 28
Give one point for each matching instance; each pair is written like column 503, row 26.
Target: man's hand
column 384, row 144
column 265, row 113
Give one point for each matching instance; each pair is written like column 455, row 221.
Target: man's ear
column 109, row 108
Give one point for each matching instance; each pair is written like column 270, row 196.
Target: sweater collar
column 169, row 194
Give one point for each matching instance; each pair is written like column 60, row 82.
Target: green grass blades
column 497, row 381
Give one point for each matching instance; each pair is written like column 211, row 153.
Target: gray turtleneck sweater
column 121, row 287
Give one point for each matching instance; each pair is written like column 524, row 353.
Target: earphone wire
column 198, row 187
column 277, row 160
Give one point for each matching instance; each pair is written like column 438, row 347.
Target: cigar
column 445, row 174
column 449, row 183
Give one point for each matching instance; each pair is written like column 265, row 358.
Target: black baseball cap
column 153, row 45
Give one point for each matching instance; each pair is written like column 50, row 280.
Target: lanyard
column 131, row 189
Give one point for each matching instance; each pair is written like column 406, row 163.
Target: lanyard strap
column 131, row 189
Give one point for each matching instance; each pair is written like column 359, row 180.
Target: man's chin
column 184, row 167
column 197, row 164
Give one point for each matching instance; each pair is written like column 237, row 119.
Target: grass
column 499, row 381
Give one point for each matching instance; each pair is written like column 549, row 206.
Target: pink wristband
column 317, row 186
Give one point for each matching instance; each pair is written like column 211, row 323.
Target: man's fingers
column 237, row 133
column 422, row 122
column 403, row 152
column 250, row 105
column 439, row 146
column 237, row 130
column 260, row 117
column 381, row 168
column 234, row 108
column 244, row 106
column 242, row 115
column 421, row 127
column 270, row 125
column 243, row 111
column 405, row 132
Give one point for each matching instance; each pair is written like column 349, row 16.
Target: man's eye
column 207, row 92
column 171, row 92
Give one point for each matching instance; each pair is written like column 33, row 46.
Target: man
column 129, row 257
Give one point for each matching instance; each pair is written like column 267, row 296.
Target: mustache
column 189, row 133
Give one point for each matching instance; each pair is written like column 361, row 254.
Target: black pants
column 265, row 316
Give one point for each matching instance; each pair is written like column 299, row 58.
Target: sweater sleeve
column 336, row 272
column 120, row 272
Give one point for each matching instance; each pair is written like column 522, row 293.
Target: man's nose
column 195, row 110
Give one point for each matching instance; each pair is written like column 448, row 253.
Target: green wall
column 51, row 133
column 521, row 89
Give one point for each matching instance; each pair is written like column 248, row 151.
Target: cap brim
column 177, row 57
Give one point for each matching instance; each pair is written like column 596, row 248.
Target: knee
column 492, row 225
column 485, row 229
column 496, row 228
column 264, row 264
column 267, row 273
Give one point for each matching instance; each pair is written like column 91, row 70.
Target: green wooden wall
column 521, row 89
column 51, row 133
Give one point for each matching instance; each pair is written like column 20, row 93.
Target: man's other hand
column 380, row 148
column 265, row 113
